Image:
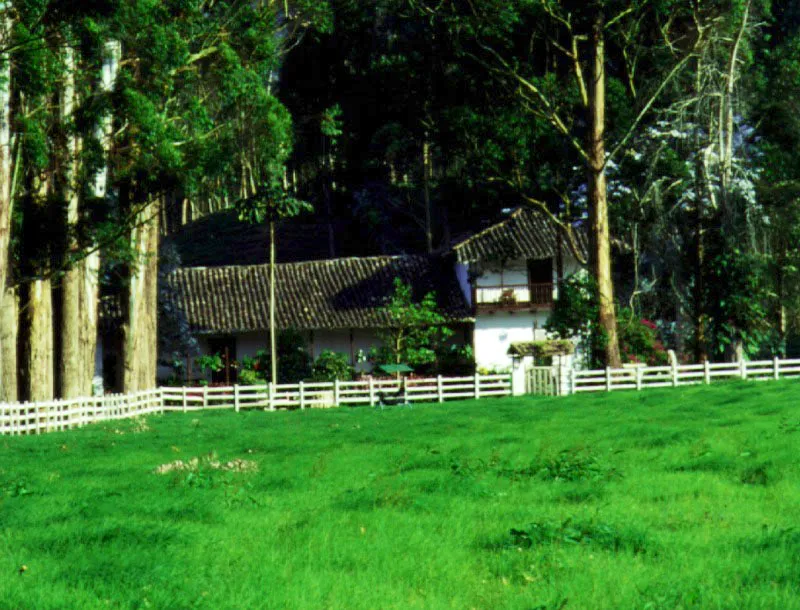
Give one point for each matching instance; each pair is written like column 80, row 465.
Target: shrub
column 416, row 331
column 638, row 340
column 294, row 362
column 330, row 366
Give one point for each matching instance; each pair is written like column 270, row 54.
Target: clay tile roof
column 329, row 294
column 526, row 233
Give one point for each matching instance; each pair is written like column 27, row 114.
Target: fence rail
column 334, row 393
column 641, row 377
column 53, row 415
column 40, row 417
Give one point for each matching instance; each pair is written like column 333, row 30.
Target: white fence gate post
column 706, row 371
column 236, row 397
column 743, row 368
column 271, row 396
column 302, row 394
column 371, row 392
column 439, row 389
column 477, row 382
column 608, row 379
column 776, row 368
column 674, row 373
column 639, row 373
column 336, row 392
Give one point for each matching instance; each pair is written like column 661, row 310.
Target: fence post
column 477, row 385
column 776, row 368
column 405, row 390
column 674, row 373
column 336, row 392
column 205, row 396
column 301, row 392
column 439, row 388
column 706, row 371
column 271, row 396
column 743, row 368
column 236, row 397
column 639, row 377
column 371, row 392
column 184, row 399
column 608, row 379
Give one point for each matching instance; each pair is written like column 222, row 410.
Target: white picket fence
column 53, row 415
column 334, row 393
column 642, row 377
column 40, row 417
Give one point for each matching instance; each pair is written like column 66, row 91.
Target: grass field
column 686, row 498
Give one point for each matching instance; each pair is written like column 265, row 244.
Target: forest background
column 666, row 129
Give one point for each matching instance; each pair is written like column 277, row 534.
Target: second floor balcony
column 513, row 297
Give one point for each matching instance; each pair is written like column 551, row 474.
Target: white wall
column 494, row 334
column 248, row 344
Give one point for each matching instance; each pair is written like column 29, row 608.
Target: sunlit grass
column 661, row 499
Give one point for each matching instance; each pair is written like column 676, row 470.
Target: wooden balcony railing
column 513, row 296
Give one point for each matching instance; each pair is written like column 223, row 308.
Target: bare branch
column 649, row 104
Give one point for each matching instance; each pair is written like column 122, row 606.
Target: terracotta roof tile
column 337, row 293
column 526, row 233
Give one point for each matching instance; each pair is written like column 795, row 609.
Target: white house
column 337, row 304
column 509, row 274
column 496, row 288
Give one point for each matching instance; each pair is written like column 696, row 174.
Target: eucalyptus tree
column 694, row 174
column 391, row 79
column 8, row 302
column 775, row 81
column 575, row 69
column 34, row 88
column 116, row 107
column 196, row 114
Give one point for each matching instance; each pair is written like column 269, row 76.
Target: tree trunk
column 327, row 192
column 598, row 204
column 273, row 332
column 78, row 323
column 80, row 288
column 8, row 317
column 698, row 289
column 35, row 338
column 426, row 191
column 36, row 341
column 140, row 306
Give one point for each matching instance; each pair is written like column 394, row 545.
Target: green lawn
column 686, row 498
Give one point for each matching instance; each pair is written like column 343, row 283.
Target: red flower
column 648, row 324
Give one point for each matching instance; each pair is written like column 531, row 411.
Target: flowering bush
column 639, row 341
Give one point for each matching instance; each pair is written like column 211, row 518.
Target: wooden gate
column 541, row 380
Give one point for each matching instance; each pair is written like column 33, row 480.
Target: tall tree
column 555, row 57
column 80, row 284
column 8, row 310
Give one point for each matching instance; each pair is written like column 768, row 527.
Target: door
column 540, row 280
column 226, row 348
